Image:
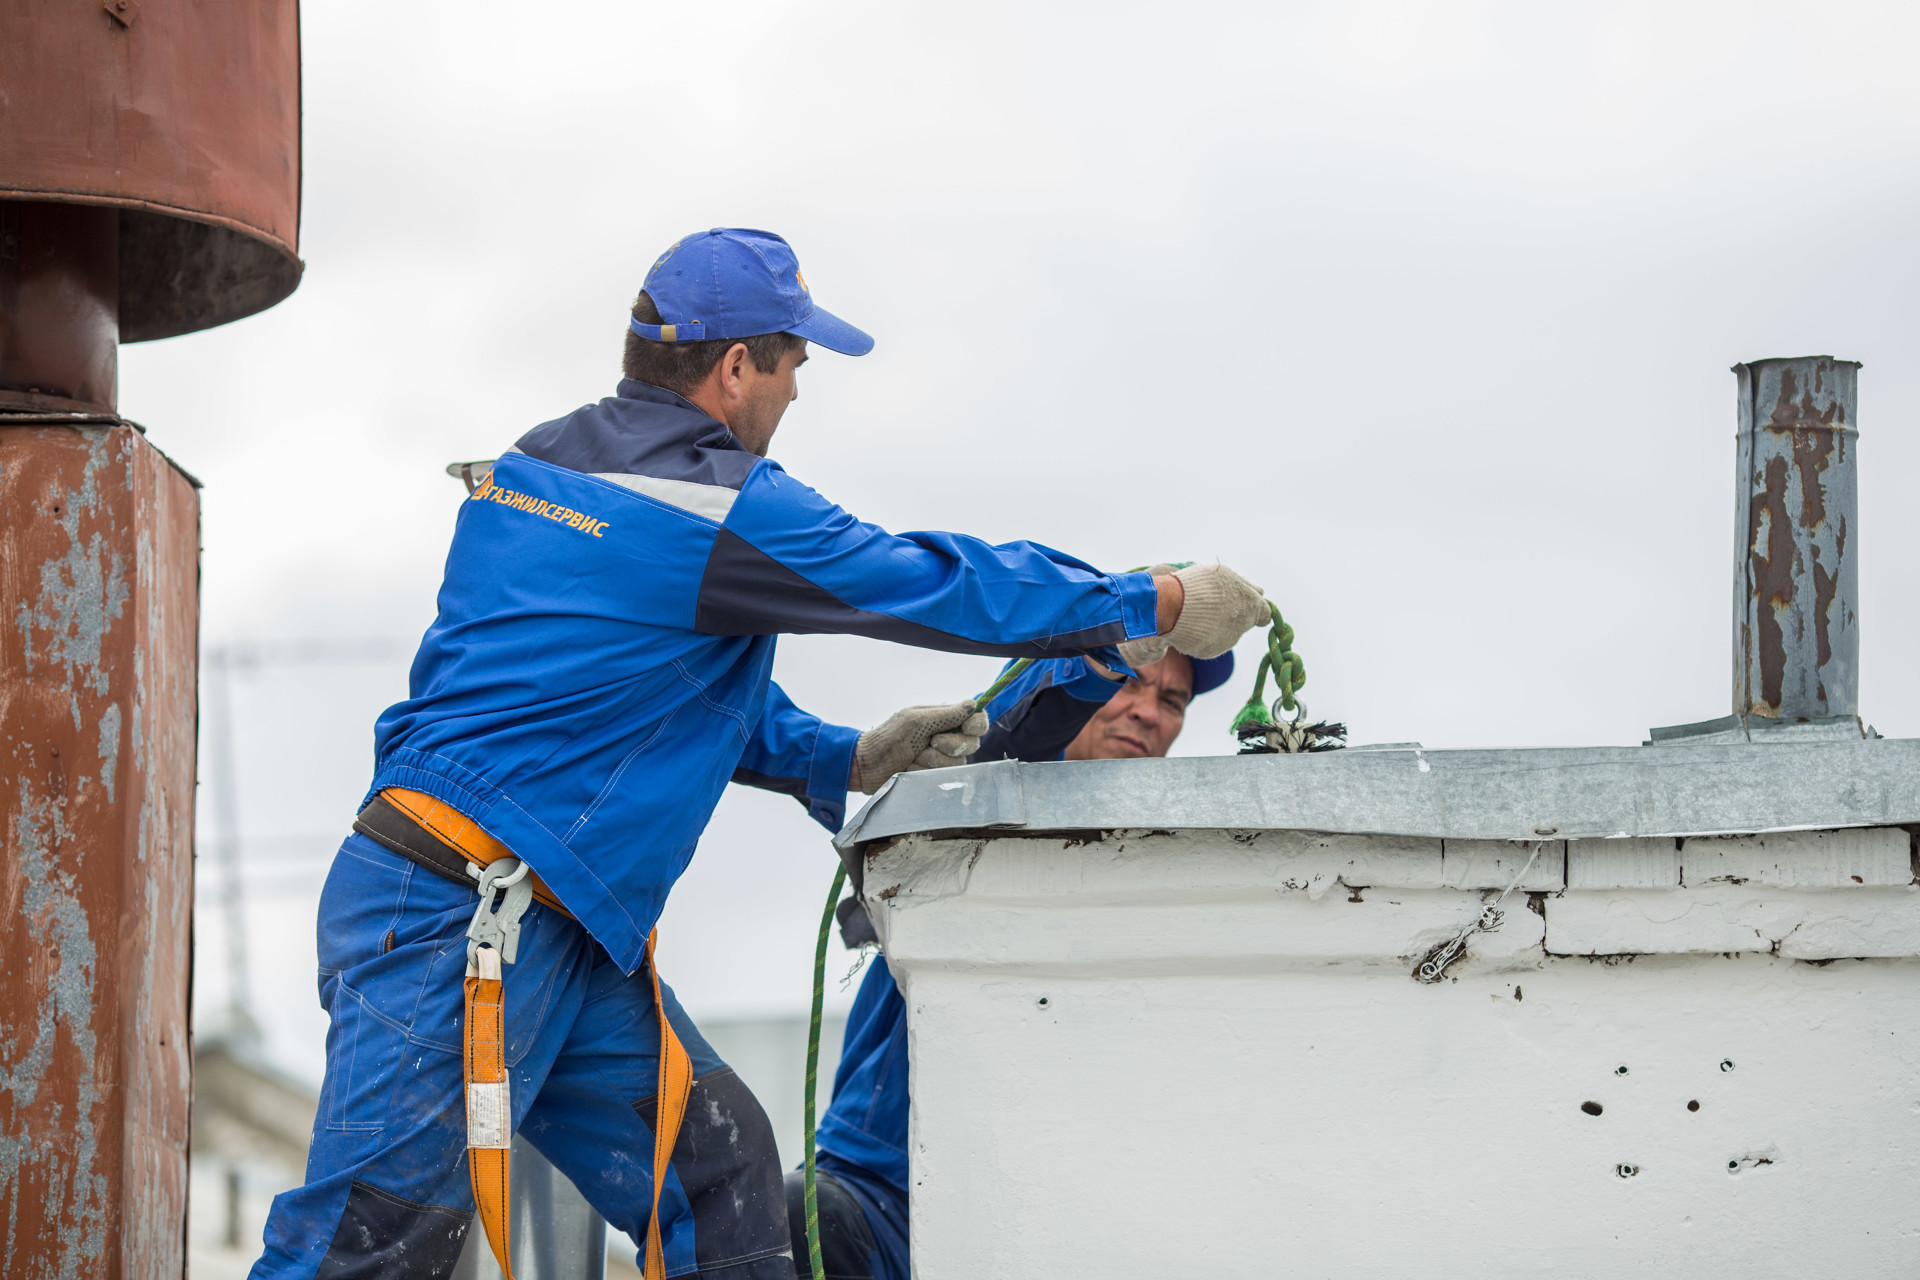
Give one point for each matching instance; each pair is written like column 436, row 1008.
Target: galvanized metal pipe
column 1796, row 636
column 555, row 1234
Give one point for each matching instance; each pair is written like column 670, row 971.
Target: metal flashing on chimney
column 1580, row 793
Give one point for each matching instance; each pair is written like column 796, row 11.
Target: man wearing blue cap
column 599, row 670
column 1059, row 709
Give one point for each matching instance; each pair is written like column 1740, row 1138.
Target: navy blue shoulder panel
column 643, row 430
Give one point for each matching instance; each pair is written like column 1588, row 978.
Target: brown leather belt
column 433, row 834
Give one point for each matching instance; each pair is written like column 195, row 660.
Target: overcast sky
column 1418, row 314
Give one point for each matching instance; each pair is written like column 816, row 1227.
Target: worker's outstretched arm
column 799, row 754
column 788, row 560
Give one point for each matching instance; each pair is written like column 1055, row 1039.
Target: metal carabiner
column 499, row 929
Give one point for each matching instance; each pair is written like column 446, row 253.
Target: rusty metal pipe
column 99, row 579
column 1796, row 635
column 149, row 186
column 59, row 306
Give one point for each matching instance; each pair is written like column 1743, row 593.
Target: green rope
column 999, row 686
column 1289, row 675
column 813, row 1060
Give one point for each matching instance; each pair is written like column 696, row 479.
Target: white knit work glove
column 918, row 738
column 1221, row 606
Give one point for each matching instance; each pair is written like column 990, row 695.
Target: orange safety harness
column 494, row 939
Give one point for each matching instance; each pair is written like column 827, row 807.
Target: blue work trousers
column 387, row 1192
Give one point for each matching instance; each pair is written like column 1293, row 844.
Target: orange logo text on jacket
column 491, row 492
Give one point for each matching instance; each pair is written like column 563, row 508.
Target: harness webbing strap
column 489, row 1100
column 489, row 1104
column 404, row 821
column 670, row 1108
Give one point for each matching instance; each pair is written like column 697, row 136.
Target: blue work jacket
column 601, row 664
column 866, row 1124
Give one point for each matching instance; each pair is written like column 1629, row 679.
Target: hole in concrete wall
column 1726, row 1064
column 1620, row 1070
column 1592, row 1108
column 1694, row 1105
column 1042, row 1002
column 1626, row 1170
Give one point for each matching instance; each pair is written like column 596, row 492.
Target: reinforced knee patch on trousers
column 725, row 1161
column 384, row 1237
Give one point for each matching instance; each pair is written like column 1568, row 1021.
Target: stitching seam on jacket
column 586, row 815
column 739, row 718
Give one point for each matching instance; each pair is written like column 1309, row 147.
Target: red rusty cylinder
column 59, row 306
column 182, row 115
column 149, row 186
column 99, row 561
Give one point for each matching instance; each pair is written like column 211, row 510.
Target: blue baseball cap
column 733, row 283
column 1210, row 673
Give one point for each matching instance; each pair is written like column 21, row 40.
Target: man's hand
column 1219, row 606
column 916, row 738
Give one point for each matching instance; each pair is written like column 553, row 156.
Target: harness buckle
column 499, row 929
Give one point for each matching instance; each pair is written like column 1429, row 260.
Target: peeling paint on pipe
column 99, row 610
column 1796, row 636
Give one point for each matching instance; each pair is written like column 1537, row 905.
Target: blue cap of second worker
column 1210, row 673
column 734, row 283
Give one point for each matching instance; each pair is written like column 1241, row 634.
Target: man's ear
column 733, row 369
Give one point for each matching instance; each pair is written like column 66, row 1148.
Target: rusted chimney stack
column 149, row 186
column 1796, row 635
column 1796, row 629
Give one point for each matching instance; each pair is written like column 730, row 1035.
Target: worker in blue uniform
column 598, row 671
column 1059, row 709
